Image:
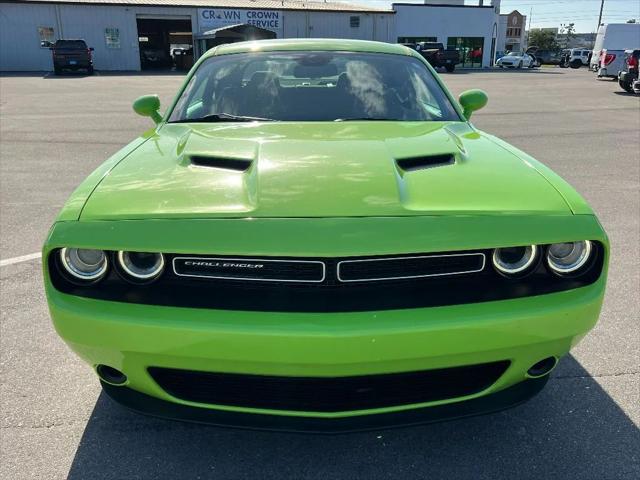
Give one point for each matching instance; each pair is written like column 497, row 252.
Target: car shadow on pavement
column 572, row 429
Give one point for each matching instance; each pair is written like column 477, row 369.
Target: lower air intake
column 327, row 394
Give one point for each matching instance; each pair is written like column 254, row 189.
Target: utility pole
column 600, row 16
column 529, row 29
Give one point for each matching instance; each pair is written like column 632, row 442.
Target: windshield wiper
column 367, row 119
column 223, row 117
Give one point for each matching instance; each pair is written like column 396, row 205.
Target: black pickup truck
column 71, row 55
column 438, row 56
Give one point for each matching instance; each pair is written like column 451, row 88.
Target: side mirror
column 91, row 49
column 148, row 106
column 472, row 100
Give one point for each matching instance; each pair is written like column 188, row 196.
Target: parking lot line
column 20, row 259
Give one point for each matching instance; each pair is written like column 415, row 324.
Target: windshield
column 513, row 54
column 70, row 44
column 313, row 86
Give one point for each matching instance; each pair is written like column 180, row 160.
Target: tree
column 543, row 39
column 568, row 31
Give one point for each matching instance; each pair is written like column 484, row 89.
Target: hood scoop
column 234, row 164
column 420, row 163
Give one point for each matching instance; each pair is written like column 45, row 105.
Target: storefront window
column 469, row 48
column 112, row 37
column 46, row 37
column 416, row 39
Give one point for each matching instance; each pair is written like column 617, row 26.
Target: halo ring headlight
column 569, row 257
column 515, row 260
column 141, row 266
column 84, row 264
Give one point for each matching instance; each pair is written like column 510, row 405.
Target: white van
column 615, row 38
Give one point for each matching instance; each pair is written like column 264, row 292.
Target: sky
column 551, row 13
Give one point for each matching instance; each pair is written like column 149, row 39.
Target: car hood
column 320, row 169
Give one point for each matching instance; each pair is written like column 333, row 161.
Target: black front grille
column 400, row 268
column 249, row 269
column 327, row 394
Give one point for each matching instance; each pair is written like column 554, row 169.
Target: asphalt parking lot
column 56, row 423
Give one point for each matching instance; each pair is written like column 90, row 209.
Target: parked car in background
column 545, row 57
column 438, row 56
column 564, row 56
column 182, row 58
column 516, row 60
column 611, row 62
column 629, row 73
column 615, row 38
column 71, row 55
column 579, row 57
column 155, row 57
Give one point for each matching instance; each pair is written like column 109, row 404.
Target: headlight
column 141, row 266
column 566, row 258
column 515, row 260
column 84, row 264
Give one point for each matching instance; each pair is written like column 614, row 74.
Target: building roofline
column 287, row 6
column 405, row 4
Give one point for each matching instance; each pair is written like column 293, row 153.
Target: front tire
column 575, row 64
column 450, row 68
column 520, row 65
column 626, row 86
column 90, row 70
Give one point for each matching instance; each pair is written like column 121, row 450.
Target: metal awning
column 243, row 29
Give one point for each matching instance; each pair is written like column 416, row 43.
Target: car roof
column 317, row 44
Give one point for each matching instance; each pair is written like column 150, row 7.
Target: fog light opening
column 111, row 375
column 542, row 368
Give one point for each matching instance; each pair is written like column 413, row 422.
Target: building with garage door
column 469, row 28
column 160, row 34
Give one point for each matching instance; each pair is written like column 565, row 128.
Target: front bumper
column 134, row 337
column 148, row 405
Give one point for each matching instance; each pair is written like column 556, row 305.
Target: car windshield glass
column 513, row 54
column 313, row 86
column 70, row 44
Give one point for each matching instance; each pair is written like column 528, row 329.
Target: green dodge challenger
column 313, row 236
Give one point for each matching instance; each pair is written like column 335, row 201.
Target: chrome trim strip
column 410, row 258
column 324, row 269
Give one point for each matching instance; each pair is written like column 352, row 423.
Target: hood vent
column 238, row 165
column 420, row 163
